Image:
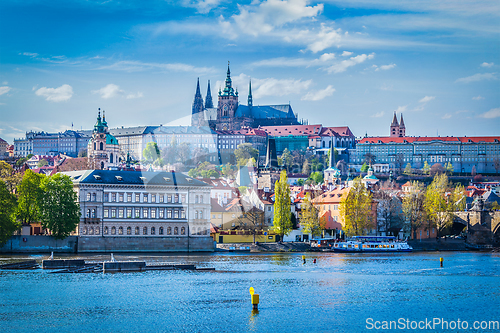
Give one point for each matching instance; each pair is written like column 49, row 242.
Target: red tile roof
column 301, row 130
column 411, row 139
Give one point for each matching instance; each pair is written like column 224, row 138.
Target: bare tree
column 370, row 158
column 251, row 221
column 390, row 211
column 399, row 162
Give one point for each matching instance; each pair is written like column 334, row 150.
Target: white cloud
column 378, row 114
column 344, row 64
column 327, row 56
column 275, row 87
column 346, row 53
column 318, row 95
column 477, row 98
column 264, row 17
column 202, row 6
column 324, row 59
column 478, row 77
column 446, row 116
column 324, row 39
column 493, row 113
column 485, row 64
column 138, row 95
column 386, row 67
column 4, row 90
column 111, row 90
column 401, row 108
column 60, row 94
column 29, row 54
column 427, row 99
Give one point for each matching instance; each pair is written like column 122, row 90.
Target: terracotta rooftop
column 411, row 139
column 302, row 130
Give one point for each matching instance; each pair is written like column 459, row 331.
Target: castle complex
column 230, row 115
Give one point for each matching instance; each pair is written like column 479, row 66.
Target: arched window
column 196, row 199
column 111, row 158
column 105, row 230
column 160, row 231
column 201, row 199
column 196, row 215
column 201, row 214
column 136, row 230
column 176, row 231
column 88, row 212
column 93, row 213
column 102, row 165
column 169, row 231
column 183, row 231
column 101, row 146
column 96, row 230
column 94, row 146
column 84, row 230
column 145, row 230
column 120, row 231
column 129, row 231
column 153, row 230
column 113, row 230
column 205, row 232
column 91, row 231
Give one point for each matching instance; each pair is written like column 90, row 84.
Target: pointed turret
column 395, row 120
column 197, row 111
column 402, row 129
column 271, row 158
column 250, row 99
column 104, row 123
column 228, row 88
column 99, row 127
column 402, row 123
column 208, row 100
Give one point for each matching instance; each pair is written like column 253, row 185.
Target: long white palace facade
column 134, row 204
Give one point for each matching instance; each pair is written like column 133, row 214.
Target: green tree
column 287, row 159
column 29, row 197
column 151, row 153
column 316, row 177
column 244, row 152
column 449, row 168
column 364, row 167
column 282, row 221
column 408, row 170
column 23, row 160
column 9, row 176
column 309, row 220
column 413, row 208
column 355, row 209
column 183, row 152
column 8, row 204
column 441, row 200
column 42, row 163
column 426, row 168
column 60, row 211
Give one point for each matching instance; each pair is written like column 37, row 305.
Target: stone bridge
column 483, row 227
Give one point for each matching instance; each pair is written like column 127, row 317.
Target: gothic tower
column 208, row 100
column 402, row 129
column 103, row 149
column 250, row 99
column 228, row 103
column 197, row 116
column 394, row 126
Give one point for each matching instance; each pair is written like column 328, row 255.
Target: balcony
column 91, row 220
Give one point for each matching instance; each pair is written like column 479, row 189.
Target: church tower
column 250, row 99
column 402, row 129
column 228, row 103
column 208, row 100
column 197, row 116
column 103, row 148
column 394, row 126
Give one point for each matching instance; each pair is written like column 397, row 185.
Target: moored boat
column 372, row 244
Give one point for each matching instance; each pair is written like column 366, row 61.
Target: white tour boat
column 372, row 244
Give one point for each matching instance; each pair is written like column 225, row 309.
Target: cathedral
column 398, row 129
column 230, row 115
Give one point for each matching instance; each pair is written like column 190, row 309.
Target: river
column 338, row 293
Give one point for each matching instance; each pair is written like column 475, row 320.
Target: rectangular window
column 176, row 214
column 162, row 213
column 183, row 198
column 176, row 198
column 153, row 198
column 129, row 213
column 162, row 198
column 144, row 213
column 106, row 212
column 153, row 213
column 137, row 213
column 121, row 197
column 88, row 196
column 120, row 213
column 129, row 197
column 137, row 197
column 145, row 198
column 169, row 197
column 169, row 213
column 113, row 213
column 183, row 214
column 106, row 197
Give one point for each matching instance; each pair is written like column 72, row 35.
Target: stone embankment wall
column 145, row 244
column 40, row 244
column 484, row 226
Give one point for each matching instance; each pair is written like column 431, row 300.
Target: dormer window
column 119, row 178
column 167, row 179
column 97, row 177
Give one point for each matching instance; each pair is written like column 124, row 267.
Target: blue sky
column 337, row 62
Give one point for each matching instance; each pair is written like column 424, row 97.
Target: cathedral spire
column 395, row 120
column 228, row 89
column 250, row 99
column 197, row 111
column 198, row 92
column 401, row 123
column 208, row 100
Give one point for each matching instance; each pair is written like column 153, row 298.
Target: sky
column 336, row 62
